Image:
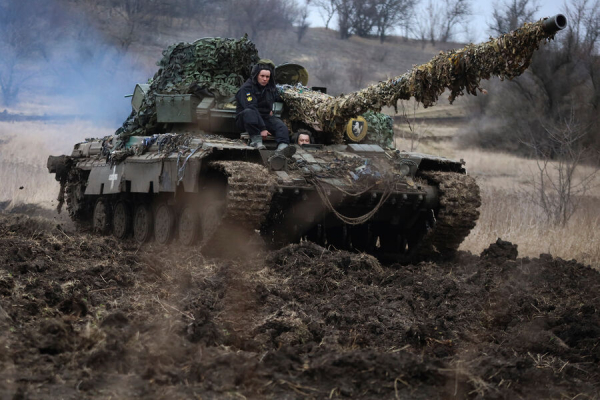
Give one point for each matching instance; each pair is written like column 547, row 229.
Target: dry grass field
column 24, row 150
column 507, row 211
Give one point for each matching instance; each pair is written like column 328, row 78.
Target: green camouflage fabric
column 219, row 66
column 380, row 129
column 460, row 70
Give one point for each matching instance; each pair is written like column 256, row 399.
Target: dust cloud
column 71, row 87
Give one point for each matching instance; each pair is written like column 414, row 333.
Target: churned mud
column 84, row 316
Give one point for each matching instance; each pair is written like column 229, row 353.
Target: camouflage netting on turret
column 458, row 70
column 380, row 129
column 217, row 65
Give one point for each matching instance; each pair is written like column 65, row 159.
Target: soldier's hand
column 264, row 133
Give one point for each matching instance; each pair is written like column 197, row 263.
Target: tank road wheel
column 121, row 220
column 164, row 222
column 102, row 217
column 142, row 223
column 189, row 226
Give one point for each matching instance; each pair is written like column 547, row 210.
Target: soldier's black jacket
column 254, row 96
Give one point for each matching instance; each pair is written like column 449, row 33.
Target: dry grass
column 507, row 171
column 504, row 214
column 24, row 150
column 507, row 213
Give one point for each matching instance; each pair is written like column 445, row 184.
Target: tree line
column 559, row 91
column 433, row 22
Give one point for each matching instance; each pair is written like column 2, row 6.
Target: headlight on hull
column 403, row 170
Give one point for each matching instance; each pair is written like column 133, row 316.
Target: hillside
column 337, row 64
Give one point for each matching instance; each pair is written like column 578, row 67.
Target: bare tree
column 558, row 95
column 409, row 116
column 454, row 14
column 364, row 17
column 368, row 17
column 582, row 44
column 21, row 43
column 438, row 23
column 128, row 20
column 302, row 21
column 428, row 23
column 392, row 14
column 511, row 14
column 203, row 12
column 258, row 16
column 557, row 189
column 345, row 11
column 327, row 9
column 583, row 30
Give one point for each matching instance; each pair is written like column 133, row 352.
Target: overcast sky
column 482, row 11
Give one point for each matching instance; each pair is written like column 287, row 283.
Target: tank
column 179, row 169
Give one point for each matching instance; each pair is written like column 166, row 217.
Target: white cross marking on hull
column 113, row 177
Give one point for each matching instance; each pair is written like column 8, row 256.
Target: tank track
column 458, row 213
column 249, row 192
column 78, row 206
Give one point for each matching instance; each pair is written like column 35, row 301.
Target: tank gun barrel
column 554, row 24
column 506, row 56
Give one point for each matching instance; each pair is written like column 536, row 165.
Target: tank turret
column 460, row 70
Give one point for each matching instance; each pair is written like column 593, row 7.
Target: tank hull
column 355, row 197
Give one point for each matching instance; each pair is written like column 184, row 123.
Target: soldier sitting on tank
column 254, row 112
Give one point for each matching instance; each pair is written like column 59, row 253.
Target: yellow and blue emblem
column 249, row 96
column 356, row 129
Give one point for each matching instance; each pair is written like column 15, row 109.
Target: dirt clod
column 501, row 249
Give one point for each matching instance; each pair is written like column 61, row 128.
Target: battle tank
column 180, row 169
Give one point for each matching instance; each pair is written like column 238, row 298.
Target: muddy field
column 83, row 316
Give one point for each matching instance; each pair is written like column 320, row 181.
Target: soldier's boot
column 286, row 150
column 256, row 141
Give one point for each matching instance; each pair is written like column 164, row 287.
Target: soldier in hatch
column 302, row 137
column 254, row 113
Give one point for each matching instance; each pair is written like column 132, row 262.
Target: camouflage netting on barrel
column 219, row 66
column 457, row 70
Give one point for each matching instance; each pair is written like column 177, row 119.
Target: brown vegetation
column 24, row 150
column 508, row 210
